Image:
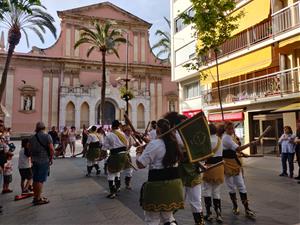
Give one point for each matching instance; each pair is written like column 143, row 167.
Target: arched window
column 84, row 115
column 70, row 114
column 140, row 116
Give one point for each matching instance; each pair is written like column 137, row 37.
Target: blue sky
column 152, row 11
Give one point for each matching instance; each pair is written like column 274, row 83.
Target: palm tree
column 21, row 16
column 164, row 43
column 104, row 39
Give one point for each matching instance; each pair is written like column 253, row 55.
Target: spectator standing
column 64, row 138
column 72, row 140
column 7, row 173
column 25, row 166
column 42, row 151
column 54, row 135
column 287, row 151
column 84, row 135
column 297, row 150
column 152, row 133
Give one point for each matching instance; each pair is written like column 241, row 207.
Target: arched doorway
column 84, row 115
column 109, row 113
column 70, row 114
column 140, row 116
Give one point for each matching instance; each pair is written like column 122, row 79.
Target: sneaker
column 250, row 214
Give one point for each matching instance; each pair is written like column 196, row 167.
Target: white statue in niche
column 28, row 103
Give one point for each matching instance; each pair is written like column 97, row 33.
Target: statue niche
column 28, row 94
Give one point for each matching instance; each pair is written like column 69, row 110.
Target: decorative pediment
column 28, row 90
column 105, row 10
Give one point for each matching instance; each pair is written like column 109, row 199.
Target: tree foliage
column 104, row 39
column 213, row 24
column 19, row 16
column 164, row 43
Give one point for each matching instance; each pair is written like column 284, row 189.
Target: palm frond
column 26, row 36
column 38, row 33
column 90, row 50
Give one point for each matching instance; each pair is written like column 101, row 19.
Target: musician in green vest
column 116, row 142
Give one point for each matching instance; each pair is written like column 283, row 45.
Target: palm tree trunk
column 103, row 87
column 5, row 71
column 218, row 84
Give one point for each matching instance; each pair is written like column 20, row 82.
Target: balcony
column 286, row 19
column 77, row 91
column 271, row 85
column 282, row 21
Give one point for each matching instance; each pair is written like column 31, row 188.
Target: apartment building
column 259, row 70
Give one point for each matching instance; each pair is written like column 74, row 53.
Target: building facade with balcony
column 259, row 70
column 61, row 86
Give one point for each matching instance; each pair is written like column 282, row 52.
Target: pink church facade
column 61, row 86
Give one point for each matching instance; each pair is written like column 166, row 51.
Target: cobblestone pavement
column 76, row 199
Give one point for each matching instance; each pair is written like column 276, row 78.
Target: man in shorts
column 42, row 151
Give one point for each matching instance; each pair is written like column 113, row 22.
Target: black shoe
column 283, row 175
column 111, row 196
column 297, row 178
column 298, row 182
column 98, row 172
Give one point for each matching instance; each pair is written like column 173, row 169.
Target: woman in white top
column 163, row 193
column 72, row 140
column 287, row 150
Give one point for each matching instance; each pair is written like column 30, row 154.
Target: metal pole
column 127, row 72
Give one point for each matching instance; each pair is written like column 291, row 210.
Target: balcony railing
column 282, row 21
column 83, row 91
column 271, row 85
column 285, row 19
column 245, row 39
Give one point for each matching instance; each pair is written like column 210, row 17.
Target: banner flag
column 196, row 137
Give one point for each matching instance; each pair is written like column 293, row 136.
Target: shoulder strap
column 45, row 147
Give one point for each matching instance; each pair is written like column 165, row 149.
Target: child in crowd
column 25, row 167
column 7, row 173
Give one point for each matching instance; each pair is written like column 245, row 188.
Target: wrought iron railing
column 275, row 84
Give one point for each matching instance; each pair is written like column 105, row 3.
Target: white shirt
column 92, row 138
column 287, row 143
column 112, row 141
column 24, row 161
column 228, row 143
column 152, row 134
column 8, row 168
column 72, row 136
column 153, row 154
column 214, row 141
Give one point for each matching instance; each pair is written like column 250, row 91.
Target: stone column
column 9, row 95
column 62, row 114
column 77, row 116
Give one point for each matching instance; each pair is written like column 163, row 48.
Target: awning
column 288, row 108
column 254, row 13
column 242, row 65
column 237, row 116
column 289, row 45
column 191, row 113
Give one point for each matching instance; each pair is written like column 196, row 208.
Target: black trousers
column 290, row 158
